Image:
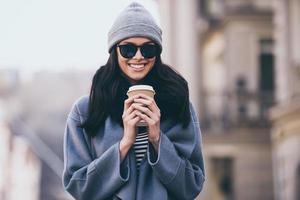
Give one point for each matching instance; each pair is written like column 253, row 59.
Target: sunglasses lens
column 128, row 50
column 149, row 50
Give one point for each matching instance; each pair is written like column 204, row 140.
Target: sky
column 58, row 34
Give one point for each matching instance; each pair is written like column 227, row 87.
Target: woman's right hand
column 130, row 119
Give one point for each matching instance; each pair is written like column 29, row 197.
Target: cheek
column 151, row 64
column 122, row 63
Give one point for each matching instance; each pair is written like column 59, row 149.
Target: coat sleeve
column 179, row 164
column 83, row 177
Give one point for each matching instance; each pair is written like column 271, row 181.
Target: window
column 223, row 178
column 211, row 8
column 294, row 15
column 266, row 76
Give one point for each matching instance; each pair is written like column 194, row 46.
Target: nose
column 138, row 54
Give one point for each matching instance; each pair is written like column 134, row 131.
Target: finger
column 150, row 103
column 130, row 109
column 129, row 101
column 144, row 110
column 130, row 116
column 144, row 96
column 134, row 120
column 146, row 102
column 148, row 120
column 150, row 99
column 127, row 112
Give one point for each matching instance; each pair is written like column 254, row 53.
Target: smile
column 137, row 67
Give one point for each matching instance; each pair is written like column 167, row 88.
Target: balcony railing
column 239, row 109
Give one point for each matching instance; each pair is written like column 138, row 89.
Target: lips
column 137, row 67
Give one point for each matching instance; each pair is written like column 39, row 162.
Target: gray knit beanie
column 134, row 21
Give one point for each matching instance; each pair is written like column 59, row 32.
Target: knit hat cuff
column 128, row 31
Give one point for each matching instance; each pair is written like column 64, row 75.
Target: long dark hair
column 109, row 87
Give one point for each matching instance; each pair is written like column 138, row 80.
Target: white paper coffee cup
column 138, row 89
column 141, row 89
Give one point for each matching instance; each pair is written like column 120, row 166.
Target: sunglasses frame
column 140, row 48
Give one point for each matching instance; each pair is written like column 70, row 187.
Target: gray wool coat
column 93, row 170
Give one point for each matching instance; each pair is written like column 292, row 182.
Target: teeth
column 137, row 66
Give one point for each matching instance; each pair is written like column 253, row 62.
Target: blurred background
column 240, row 57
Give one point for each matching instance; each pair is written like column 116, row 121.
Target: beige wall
column 294, row 16
column 286, row 148
column 286, row 33
column 265, row 4
column 180, row 41
column 286, row 162
column 214, row 74
column 250, row 151
column 242, row 48
column 230, row 52
column 286, row 115
column 227, row 52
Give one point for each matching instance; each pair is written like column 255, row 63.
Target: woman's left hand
column 149, row 111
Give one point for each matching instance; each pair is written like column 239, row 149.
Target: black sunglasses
column 147, row 50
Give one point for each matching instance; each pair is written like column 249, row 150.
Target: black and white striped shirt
column 140, row 145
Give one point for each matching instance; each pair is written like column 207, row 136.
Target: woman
column 106, row 155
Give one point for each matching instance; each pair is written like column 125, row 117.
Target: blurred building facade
column 237, row 92
column 20, row 167
column 32, row 121
column 286, row 114
column 43, row 105
column 241, row 61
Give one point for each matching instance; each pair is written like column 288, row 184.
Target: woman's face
column 136, row 67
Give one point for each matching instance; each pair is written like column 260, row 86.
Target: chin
column 137, row 79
